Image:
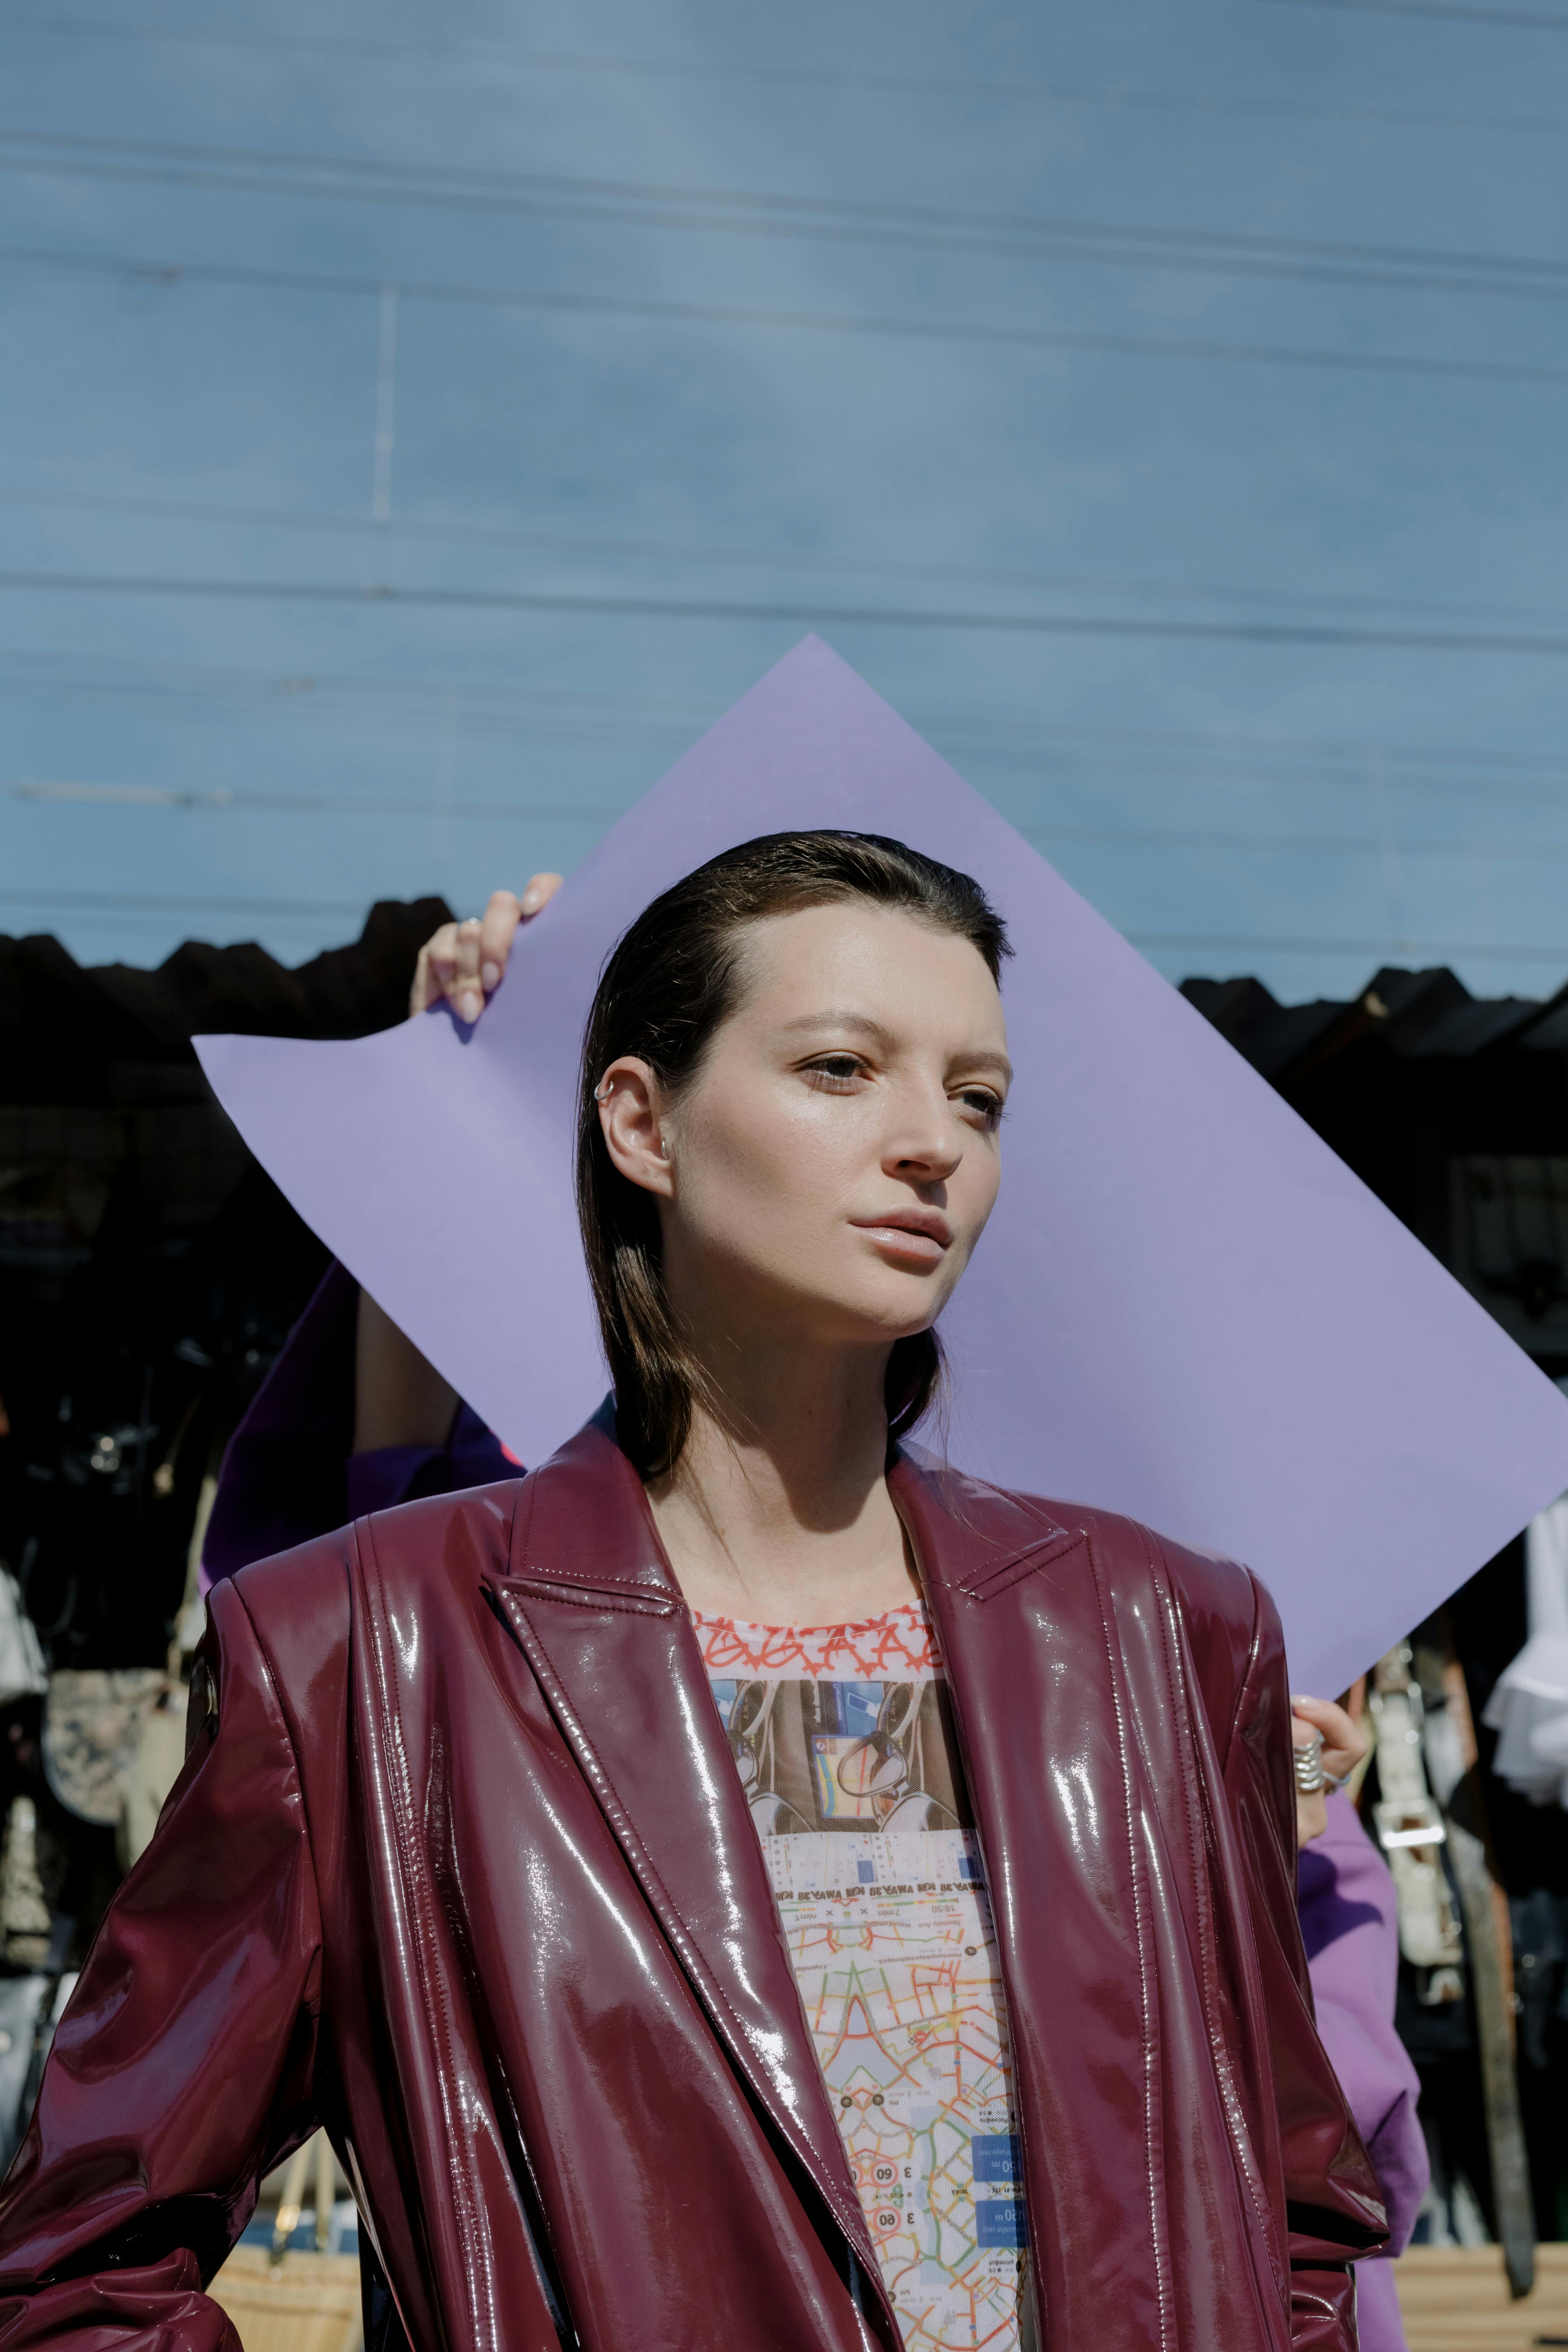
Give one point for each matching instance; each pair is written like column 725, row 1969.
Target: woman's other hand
column 1343, row 1749
column 465, row 964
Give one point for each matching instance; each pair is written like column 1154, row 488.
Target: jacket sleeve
column 1334, row 2204
column 183, row 2065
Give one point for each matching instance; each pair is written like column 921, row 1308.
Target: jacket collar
column 594, row 1603
column 971, row 1540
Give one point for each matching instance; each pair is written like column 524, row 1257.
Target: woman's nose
column 928, row 1146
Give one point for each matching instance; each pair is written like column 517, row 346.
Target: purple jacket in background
column 1350, row 1926
column 290, row 1474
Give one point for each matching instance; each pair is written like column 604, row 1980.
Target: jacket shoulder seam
column 1153, row 2184
column 433, row 1995
column 275, row 1684
column 1253, row 1654
column 1182, row 1697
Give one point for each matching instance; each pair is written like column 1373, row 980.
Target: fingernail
column 529, row 901
column 490, row 974
column 470, row 1004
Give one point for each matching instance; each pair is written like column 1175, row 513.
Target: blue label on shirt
column 996, row 2155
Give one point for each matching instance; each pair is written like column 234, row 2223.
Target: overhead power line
column 750, row 213
column 695, row 608
column 1264, row 943
column 1015, row 91
column 1536, row 20
column 456, row 701
column 503, row 712
column 99, row 902
column 220, row 800
column 776, row 557
column 355, row 909
column 810, row 322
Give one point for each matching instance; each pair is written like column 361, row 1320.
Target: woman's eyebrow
column 842, row 1020
column 987, row 1060
column 983, row 1058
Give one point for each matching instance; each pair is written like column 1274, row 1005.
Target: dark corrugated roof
column 1426, row 1015
column 67, row 1029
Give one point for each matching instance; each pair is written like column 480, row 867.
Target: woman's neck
column 779, row 1513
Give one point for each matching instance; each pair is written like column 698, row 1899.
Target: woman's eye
column 981, row 1100
column 839, row 1070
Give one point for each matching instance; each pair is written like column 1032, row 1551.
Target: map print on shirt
column 844, row 1744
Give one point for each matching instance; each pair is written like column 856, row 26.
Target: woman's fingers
column 493, row 934
column 437, row 959
column 463, row 963
column 1343, row 1744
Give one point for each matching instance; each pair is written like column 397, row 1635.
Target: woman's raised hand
column 1344, row 1748
column 465, row 964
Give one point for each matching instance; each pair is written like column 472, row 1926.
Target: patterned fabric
column 93, row 1721
column 843, row 1741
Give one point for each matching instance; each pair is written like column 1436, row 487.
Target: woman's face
column 828, row 1171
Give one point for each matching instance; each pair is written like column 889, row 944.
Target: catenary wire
column 796, row 76
column 219, row 800
column 469, row 706
column 590, row 550
column 1017, row 90
column 1261, row 943
column 1015, row 236
column 129, row 901
column 106, row 901
column 809, row 321
column 691, row 608
column 1539, row 20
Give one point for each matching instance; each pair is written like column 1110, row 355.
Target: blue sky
column 1225, row 338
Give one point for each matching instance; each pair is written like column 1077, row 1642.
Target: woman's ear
column 630, row 1121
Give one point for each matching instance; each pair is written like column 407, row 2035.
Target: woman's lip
column 917, row 1236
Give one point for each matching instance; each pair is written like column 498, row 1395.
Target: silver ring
column 1311, row 1777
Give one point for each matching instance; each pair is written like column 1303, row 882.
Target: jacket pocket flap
column 584, row 1592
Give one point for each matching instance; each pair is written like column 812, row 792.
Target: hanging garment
column 1529, row 1708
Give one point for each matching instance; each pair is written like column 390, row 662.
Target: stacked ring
column 1311, row 1777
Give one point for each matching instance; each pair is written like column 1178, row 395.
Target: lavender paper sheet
column 1185, row 1307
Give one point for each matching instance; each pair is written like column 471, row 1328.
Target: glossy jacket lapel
column 1016, row 1619
column 593, row 1604
column 1082, row 1765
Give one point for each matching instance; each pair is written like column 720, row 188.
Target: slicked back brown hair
column 669, row 984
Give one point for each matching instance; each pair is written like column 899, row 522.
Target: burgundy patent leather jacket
column 460, row 1864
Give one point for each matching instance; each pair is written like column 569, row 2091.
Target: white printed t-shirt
column 844, row 1743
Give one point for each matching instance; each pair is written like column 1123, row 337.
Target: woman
column 699, row 1885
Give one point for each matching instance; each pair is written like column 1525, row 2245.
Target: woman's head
column 793, row 1076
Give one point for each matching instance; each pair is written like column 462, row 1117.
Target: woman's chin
column 880, row 1315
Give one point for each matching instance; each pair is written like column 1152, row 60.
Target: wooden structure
column 1456, row 2299
column 309, row 2303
